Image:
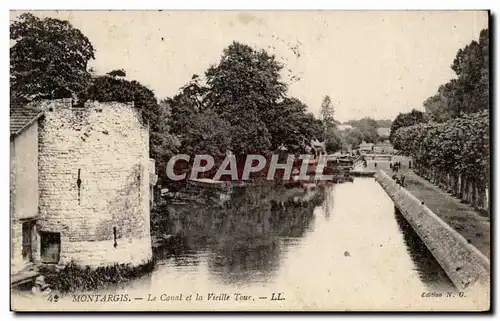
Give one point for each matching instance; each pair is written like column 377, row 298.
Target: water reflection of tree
column 242, row 238
column 429, row 270
column 292, row 218
column 327, row 205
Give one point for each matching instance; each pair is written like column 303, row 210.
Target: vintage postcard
column 250, row 161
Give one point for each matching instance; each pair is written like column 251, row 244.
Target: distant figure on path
column 375, row 165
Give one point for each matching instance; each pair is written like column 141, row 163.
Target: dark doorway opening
column 50, row 247
column 28, row 230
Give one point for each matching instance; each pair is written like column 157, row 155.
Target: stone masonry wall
column 16, row 246
column 93, row 179
column 465, row 265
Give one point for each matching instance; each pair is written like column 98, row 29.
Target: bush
column 76, row 278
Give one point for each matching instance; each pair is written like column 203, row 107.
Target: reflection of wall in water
column 429, row 270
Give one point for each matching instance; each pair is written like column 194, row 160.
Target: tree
column 111, row 88
column 327, row 112
column 469, row 92
column 368, row 127
column 245, row 89
column 117, row 73
column 472, row 68
column 163, row 143
column 453, row 149
column 333, row 140
column 48, row 59
column 384, row 123
column 188, row 102
column 405, row 120
column 201, row 130
column 206, row 133
column 437, row 107
column 454, row 154
column 291, row 125
column 353, row 137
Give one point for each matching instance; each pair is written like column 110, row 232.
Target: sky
column 371, row 63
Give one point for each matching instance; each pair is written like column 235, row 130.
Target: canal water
column 341, row 247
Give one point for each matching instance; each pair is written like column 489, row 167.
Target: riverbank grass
column 474, row 227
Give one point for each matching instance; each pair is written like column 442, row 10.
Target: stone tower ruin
column 93, row 185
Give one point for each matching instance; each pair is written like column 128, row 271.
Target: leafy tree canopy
column 469, row 91
column 460, row 145
column 48, row 59
column 327, row 110
column 368, row 127
column 384, row 123
column 206, row 133
column 117, row 73
column 244, row 90
column 353, row 137
column 405, row 120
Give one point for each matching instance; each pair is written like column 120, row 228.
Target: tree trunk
column 443, row 180
column 469, row 191
column 474, row 194
column 463, row 184
column 455, row 184
column 481, row 199
column 439, row 177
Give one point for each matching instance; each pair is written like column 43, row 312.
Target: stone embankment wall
column 464, row 264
